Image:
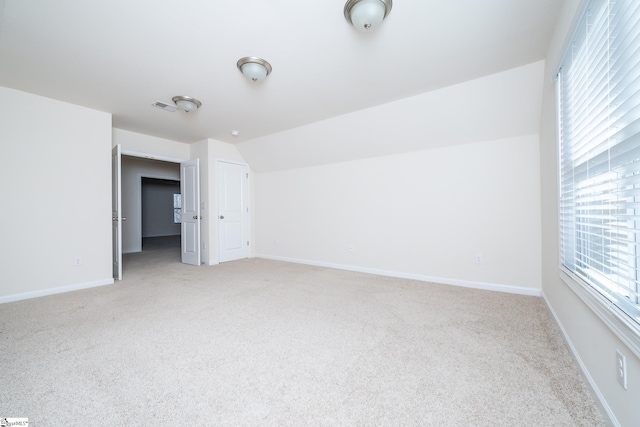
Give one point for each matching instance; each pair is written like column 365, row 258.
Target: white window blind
column 599, row 119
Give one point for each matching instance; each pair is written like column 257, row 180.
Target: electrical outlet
column 478, row 258
column 621, row 367
column 77, row 261
column 351, row 248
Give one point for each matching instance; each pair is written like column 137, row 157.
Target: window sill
column 621, row 325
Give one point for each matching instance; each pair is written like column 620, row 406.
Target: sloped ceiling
column 499, row 106
column 121, row 56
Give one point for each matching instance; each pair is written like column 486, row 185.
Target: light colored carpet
column 265, row 343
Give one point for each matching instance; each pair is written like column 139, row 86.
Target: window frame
column 606, row 310
column 621, row 324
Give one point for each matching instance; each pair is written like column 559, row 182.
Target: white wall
column 150, row 146
column 210, row 151
column 56, row 161
column 424, row 214
column 133, row 170
column 593, row 343
column 418, row 186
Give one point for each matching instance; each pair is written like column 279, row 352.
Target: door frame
column 116, row 211
column 142, row 155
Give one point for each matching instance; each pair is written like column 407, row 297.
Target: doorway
column 134, row 170
column 148, row 225
column 160, row 214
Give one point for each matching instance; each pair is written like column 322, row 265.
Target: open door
column 233, row 211
column 116, row 206
column 190, row 189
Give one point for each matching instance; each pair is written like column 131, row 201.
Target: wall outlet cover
column 621, row 368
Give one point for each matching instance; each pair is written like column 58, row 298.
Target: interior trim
column 53, row 291
column 606, row 310
column 440, row 280
column 599, row 397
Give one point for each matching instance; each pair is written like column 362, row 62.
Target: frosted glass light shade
column 366, row 15
column 186, row 103
column 254, row 72
column 254, row 68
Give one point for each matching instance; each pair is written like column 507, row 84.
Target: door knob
column 195, row 217
column 221, row 216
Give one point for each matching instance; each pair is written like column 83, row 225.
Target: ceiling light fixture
column 254, row 68
column 366, row 15
column 186, row 103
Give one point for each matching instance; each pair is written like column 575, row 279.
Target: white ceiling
column 120, row 56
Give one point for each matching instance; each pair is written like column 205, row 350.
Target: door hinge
column 247, row 175
column 247, row 243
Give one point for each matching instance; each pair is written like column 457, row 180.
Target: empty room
column 332, row 213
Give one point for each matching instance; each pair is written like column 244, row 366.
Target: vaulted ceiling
column 121, row 56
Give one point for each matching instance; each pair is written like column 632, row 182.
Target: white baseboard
column 594, row 388
column 454, row 282
column 53, row 291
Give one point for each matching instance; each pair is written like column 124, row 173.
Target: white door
column 190, row 189
column 233, row 211
column 116, row 206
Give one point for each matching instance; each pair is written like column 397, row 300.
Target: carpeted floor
column 161, row 242
column 266, row 343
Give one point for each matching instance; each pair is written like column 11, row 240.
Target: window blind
column 599, row 131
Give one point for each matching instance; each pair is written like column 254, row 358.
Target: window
column 599, row 130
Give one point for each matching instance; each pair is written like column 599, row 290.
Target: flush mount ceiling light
column 366, row 15
column 254, row 68
column 186, row 103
